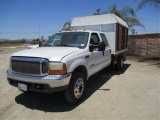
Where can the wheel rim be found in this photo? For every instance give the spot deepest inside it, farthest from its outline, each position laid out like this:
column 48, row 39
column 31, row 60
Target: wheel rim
column 79, row 88
column 121, row 63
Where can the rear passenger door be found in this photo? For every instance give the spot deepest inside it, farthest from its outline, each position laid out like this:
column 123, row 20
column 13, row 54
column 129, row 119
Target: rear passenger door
column 107, row 53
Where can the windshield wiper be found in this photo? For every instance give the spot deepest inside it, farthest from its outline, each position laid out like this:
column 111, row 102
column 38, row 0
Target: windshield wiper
column 67, row 45
column 46, row 45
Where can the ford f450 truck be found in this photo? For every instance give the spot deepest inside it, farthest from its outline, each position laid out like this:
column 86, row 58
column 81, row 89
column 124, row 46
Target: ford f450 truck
column 68, row 58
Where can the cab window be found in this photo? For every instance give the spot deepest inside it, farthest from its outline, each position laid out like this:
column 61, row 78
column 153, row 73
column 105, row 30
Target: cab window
column 104, row 38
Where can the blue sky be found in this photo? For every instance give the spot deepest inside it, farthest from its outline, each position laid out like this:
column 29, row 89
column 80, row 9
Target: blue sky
column 34, row 18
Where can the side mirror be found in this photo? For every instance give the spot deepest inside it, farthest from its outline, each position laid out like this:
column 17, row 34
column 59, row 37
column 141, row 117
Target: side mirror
column 91, row 48
column 101, row 46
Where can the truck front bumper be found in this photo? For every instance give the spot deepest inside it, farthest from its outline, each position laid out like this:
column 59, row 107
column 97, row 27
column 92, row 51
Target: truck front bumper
column 46, row 84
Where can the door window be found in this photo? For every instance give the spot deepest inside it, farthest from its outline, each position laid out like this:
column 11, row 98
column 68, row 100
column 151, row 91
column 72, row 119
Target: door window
column 94, row 39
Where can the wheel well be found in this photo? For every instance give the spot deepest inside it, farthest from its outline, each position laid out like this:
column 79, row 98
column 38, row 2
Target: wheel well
column 122, row 55
column 82, row 69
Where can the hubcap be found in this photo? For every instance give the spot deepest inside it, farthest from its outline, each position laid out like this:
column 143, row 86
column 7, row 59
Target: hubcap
column 79, row 88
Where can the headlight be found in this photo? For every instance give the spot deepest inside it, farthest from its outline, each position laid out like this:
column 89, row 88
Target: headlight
column 57, row 68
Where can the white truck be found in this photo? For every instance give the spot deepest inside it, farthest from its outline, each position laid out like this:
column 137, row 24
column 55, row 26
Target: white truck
column 68, row 58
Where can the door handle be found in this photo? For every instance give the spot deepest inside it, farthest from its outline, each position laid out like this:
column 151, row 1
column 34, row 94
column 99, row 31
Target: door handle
column 91, row 65
column 87, row 56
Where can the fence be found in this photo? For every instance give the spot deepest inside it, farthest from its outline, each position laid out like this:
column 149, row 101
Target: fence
column 144, row 45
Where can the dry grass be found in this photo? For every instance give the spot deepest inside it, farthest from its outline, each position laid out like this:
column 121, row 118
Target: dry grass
column 13, row 45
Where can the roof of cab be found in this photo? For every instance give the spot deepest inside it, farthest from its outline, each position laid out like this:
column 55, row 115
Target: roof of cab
column 98, row 20
column 90, row 31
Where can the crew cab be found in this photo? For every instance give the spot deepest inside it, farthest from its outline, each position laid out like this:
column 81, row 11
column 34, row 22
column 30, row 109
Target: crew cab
column 64, row 66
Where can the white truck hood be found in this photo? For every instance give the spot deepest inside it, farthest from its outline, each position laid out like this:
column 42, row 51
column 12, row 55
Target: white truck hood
column 50, row 53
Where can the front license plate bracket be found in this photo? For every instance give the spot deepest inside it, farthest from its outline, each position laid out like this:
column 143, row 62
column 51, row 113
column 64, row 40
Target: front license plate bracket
column 22, row 86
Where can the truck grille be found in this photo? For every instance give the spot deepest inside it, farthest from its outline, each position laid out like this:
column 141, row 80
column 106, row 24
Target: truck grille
column 36, row 66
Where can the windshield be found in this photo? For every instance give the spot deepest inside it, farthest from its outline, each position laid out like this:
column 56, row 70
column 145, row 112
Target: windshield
column 68, row 39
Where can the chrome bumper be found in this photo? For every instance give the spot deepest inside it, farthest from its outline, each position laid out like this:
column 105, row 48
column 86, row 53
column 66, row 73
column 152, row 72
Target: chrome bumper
column 53, row 81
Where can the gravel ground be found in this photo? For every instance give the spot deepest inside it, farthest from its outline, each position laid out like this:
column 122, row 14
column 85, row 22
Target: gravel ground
column 130, row 94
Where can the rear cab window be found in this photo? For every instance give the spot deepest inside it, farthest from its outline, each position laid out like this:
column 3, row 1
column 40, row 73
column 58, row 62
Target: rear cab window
column 104, row 39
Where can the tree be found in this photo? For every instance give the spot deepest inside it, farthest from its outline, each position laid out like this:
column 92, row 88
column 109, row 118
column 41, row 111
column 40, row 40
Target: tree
column 154, row 3
column 127, row 14
column 67, row 26
column 36, row 41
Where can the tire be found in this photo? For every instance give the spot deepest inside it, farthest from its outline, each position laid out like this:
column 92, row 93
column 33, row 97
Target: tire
column 76, row 88
column 120, row 63
column 112, row 65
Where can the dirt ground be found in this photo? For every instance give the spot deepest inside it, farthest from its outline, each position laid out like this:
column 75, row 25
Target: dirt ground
column 130, row 94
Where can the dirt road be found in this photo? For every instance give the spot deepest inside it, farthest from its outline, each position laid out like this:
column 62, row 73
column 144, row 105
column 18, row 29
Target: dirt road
column 132, row 94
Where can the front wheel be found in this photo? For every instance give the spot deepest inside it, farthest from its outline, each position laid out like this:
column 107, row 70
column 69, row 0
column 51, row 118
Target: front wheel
column 76, row 88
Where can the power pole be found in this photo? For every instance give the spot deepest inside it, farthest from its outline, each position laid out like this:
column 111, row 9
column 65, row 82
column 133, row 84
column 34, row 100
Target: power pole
column 39, row 31
column 98, row 11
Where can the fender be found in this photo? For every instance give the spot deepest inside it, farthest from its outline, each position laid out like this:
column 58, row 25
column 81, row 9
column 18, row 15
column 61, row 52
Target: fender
column 75, row 64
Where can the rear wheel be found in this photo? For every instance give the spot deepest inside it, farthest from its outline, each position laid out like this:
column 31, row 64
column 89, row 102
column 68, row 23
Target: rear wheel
column 76, row 89
column 120, row 63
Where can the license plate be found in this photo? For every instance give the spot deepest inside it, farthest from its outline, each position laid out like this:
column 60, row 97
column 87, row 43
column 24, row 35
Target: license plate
column 22, row 87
